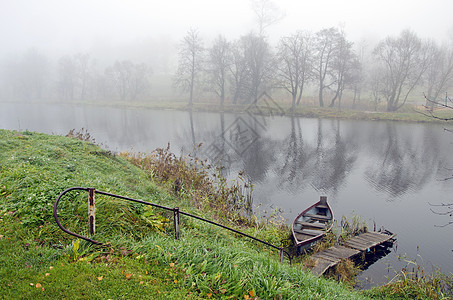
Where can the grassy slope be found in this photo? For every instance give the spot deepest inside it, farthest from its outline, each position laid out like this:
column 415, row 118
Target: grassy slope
column 37, row 260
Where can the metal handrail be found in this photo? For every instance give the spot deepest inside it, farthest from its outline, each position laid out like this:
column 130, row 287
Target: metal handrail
column 175, row 210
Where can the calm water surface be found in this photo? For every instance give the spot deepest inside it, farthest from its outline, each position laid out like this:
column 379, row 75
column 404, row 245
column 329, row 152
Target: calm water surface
column 388, row 173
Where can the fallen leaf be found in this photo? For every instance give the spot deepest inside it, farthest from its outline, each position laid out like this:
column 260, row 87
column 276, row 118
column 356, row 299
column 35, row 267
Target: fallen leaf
column 42, row 289
column 141, row 282
column 128, row 276
column 223, row 291
column 252, row 293
column 246, row 296
column 50, row 268
column 47, row 274
column 209, row 295
column 172, row 265
column 175, row 281
column 31, row 284
column 100, row 278
column 146, row 272
column 38, row 285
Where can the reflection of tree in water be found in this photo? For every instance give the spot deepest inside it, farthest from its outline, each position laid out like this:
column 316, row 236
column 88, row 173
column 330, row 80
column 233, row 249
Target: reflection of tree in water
column 298, row 160
column 324, row 165
column 259, row 158
column 401, row 163
column 128, row 127
column 335, row 159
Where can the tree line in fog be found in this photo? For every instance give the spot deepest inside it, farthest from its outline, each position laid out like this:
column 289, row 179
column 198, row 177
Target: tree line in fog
column 323, row 65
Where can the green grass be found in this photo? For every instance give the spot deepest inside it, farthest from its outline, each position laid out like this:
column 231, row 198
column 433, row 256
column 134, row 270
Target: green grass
column 38, row 260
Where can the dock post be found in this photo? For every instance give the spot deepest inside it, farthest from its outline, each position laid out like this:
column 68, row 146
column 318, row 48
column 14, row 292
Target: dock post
column 176, row 222
column 91, row 211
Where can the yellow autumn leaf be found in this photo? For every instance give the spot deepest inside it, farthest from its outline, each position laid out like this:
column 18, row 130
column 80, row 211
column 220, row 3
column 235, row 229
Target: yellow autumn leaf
column 50, row 268
column 47, row 274
column 252, row 293
column 100, row 278
column 209, row 295
column 172, row 265
column 38, row 285
column 175, row 281
column 128, row 276
column 246, row 296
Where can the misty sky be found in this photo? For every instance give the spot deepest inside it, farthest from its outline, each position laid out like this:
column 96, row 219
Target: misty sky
column 69, row 26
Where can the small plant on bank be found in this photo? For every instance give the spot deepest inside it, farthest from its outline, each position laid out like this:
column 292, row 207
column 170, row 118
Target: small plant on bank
column 190, row 178
column 413, row 282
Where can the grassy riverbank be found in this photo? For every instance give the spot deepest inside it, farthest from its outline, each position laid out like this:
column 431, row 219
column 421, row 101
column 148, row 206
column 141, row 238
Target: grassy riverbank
column 366, row 112
column 141, row 260
column 408, row 113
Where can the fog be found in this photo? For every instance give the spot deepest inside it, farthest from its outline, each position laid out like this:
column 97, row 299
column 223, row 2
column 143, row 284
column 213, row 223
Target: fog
column 60, row 27
column 50, row 46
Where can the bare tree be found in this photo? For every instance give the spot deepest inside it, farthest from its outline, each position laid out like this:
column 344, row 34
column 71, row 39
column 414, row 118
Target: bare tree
column 74, row 76
column 66, row 77
column 238, row 70
column 219, row 63
column 267, row 13
column 345, row 62
column 83, row 73
column 129, row 79
column 260, row 61
column 376, row 84
column 28, row 77
column 326, row 48
column 190, row 62
column 405, row 59
column 294, row 64
column 439, row 74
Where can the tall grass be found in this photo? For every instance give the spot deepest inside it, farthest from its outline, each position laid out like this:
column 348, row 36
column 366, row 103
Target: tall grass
column 192, row 179
column 414, row 282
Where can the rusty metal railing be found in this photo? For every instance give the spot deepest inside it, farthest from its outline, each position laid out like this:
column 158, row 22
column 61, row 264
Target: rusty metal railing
column 176, row 218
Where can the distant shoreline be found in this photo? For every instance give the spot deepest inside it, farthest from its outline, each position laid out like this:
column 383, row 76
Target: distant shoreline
column 410, row 113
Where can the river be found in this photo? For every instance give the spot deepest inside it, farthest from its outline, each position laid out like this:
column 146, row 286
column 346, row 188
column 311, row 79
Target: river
column 390, row 174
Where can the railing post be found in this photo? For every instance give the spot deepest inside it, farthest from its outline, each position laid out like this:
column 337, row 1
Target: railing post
column 91, row 211
column 281, row 255
column 176, row 222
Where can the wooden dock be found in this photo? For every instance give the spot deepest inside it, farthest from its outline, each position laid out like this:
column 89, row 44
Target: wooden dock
column 328, row 258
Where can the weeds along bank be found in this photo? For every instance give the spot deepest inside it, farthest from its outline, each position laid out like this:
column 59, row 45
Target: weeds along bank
column 140, row 259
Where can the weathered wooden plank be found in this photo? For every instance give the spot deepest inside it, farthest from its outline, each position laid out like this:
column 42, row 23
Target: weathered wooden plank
column 342, row 252
column 351, row 247
column 372, row 237
column 312, row 225
column 329, row 254
column 311, row 232
column 323, row 255
column 321, row 266
column 318, row 217
column 302, row 237
column 355, row 244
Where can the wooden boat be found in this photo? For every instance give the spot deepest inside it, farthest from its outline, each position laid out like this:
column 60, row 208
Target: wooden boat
column 312, row 224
